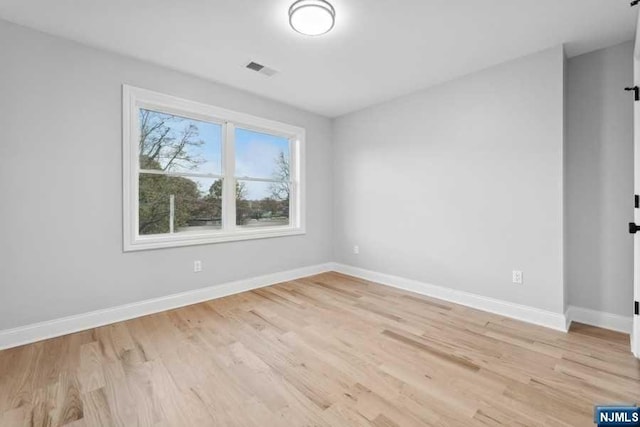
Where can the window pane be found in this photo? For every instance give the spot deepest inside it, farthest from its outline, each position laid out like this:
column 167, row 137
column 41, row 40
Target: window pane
column 197, row 204
column 178, row 144
column 262, row 204
column 259, row 155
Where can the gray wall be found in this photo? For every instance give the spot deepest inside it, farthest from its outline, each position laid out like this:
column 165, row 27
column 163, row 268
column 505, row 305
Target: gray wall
column 599, row 180
column 61, row 185
column 460, row 184
column 456, row 185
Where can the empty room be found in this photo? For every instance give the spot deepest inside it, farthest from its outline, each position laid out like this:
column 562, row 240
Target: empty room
column 319, row 213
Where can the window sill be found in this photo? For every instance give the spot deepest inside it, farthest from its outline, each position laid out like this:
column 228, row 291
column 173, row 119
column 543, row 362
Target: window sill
column 174, row 241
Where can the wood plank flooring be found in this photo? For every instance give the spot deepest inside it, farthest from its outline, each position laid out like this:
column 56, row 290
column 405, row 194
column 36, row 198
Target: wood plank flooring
column 328, row 350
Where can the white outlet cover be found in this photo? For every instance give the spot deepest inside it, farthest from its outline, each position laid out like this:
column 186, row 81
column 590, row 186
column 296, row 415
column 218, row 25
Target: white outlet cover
column 517, row 277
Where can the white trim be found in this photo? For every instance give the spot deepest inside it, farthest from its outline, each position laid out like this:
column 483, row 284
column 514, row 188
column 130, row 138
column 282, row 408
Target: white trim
column 229, row 183
column 635, row 323
column 218, row 236
column 200, row 111
column 601, row 319
column 524, row 313
column 189, row 174
column 66, row 325
column 135, row 98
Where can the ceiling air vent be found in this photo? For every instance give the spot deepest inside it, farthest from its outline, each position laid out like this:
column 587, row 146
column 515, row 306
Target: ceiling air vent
column 259, row 68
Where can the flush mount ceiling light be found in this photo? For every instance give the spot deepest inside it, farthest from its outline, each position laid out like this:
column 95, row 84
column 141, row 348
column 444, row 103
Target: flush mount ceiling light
column 312, row 17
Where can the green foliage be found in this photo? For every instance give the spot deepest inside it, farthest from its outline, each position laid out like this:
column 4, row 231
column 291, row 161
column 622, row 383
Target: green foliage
column 165, row 143
column 276, row 205
column 155, row 192
column 242, row 205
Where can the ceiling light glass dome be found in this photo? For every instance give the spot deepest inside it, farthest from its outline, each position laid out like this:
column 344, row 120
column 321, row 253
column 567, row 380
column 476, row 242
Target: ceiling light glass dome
column 312, row 17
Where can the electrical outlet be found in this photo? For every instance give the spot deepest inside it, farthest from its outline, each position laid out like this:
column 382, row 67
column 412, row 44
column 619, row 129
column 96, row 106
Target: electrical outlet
column 356, row 249
column 517, row 277
column 197, row 266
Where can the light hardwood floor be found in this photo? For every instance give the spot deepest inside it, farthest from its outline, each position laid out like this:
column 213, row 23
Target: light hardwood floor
column 326, row 350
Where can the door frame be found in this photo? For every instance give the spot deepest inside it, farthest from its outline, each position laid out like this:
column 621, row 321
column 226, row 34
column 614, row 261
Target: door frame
column 635, row 333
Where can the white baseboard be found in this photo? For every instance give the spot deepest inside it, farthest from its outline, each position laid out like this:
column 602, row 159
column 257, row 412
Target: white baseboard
column 524, row 313
column 66, row 325
column 601, row 319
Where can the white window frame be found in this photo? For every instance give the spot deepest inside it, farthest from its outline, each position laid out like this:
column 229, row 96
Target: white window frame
column 134, row 98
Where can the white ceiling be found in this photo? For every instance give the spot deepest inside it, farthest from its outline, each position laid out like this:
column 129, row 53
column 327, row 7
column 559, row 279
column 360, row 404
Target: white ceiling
column 378, row 50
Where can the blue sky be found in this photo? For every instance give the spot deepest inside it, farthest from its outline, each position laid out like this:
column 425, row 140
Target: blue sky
column 255, row 155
